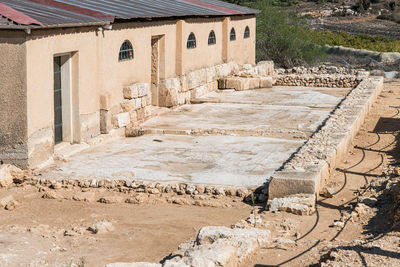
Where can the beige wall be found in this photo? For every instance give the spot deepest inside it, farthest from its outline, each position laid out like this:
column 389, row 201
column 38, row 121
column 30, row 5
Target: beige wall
column 203, row 55
column 13, row 132
column 242, row 51
column 99, row 69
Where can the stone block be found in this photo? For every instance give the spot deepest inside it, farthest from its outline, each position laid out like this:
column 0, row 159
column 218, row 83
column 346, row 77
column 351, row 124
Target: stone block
column 149, row 99
column 122, row 119
column 196, row 78
column 131, row 92
column 144, row 102
column 105, row 101
column 8, row 173
column 265, row 68
column 181, row 99
column 171, row 99
column 301, row 204
column 287, row 183
column 237, row 83
column 133, row 116
column 105, row 121
column 133, row 131
column 184, row 84
column 245, row 241
column 254, row 83
column 233, row 67
column 129, row 105
column 211, row 74
column 138, row 103
column 198, row 91
column 266, row 82
column 140, row 114
column 143, row 89
column 212, row 86
column 220, row 253
column 222, row 70
column 169, row 92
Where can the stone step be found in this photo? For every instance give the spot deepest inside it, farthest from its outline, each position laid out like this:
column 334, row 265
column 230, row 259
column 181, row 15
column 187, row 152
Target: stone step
column 245, row 83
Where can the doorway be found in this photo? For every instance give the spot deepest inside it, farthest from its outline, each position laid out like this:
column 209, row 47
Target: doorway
column 58, row 122
column 157, row 69
column 63, row 99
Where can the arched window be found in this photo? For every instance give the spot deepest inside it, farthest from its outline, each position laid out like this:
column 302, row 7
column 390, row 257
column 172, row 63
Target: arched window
column 247, row 32
column 191, row 42
column 211, row 38
column 126, row 51
column 233, row 34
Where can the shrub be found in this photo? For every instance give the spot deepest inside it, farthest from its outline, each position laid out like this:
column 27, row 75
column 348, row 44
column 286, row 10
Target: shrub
column 284, row 37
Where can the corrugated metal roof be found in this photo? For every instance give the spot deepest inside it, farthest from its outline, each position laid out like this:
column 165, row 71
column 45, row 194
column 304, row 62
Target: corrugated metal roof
column 47, row 13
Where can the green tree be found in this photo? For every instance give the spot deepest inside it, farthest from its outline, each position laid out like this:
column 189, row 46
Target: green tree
column 283, row 37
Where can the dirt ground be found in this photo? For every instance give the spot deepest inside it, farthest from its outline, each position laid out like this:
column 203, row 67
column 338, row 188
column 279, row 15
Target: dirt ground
column 353, row 228
column 345, row 231
column 54, row 232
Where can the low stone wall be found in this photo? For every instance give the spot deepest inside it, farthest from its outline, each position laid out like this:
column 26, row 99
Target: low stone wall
column 134, row 108
column 180, row 90
column 381, row 57
column 138, row 186
column 314, row 80
column 321, row 76
column 317, row 158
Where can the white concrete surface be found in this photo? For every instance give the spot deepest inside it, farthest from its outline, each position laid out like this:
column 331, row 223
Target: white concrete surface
column 224, row 160
column 233, row 138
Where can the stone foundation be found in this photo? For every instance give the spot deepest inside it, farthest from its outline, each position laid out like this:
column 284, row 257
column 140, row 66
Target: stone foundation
column 316, row 160
column 314, row 80
column 321, row 76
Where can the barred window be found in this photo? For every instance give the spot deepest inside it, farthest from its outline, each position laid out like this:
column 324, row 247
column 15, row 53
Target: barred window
column 126, row 51
column 211, row 38
column 247, row 32
column 233, row 34
column 191, row 42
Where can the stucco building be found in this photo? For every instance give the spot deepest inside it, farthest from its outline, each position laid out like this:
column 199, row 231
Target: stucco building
column 71, row 70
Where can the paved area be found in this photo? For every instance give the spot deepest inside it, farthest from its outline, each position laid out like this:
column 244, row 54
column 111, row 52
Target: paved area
column 228, row 138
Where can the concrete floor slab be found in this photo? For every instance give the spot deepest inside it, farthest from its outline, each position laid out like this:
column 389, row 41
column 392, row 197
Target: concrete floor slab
column 221, row 160
column 311, row 97
column 292, row 122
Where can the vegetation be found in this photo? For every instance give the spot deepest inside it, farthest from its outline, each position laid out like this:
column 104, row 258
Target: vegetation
column 286, row 38
column 361, row 41
column 282, row 36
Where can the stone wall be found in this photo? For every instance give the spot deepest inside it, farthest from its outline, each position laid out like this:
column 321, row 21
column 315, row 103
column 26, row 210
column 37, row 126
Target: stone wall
column 133, row 109
column 322, row 76
column 181, row 90
column 317, row 158
column 250, row 77
column 315, row 80
column 13, row 97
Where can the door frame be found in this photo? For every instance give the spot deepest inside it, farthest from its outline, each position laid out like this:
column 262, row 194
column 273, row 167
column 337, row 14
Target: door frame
column 69, row 98
column 155, row 91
